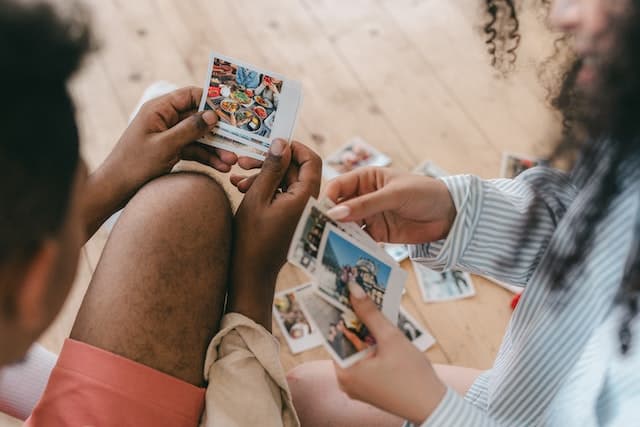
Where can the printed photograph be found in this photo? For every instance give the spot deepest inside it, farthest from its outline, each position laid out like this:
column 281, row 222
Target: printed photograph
column 414, row 331
column 513, row 164
column 429, row 168
column 308, row 238
column 243, row 98
column 398, row 252
column 408, row 328
column 443, row 286
column 343, row 262
column 354, row 155
column 344, row 334
column 295, row 326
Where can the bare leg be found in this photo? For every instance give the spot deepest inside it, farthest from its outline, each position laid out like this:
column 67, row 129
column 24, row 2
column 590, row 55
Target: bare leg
column 158, row 291
column 320, row 402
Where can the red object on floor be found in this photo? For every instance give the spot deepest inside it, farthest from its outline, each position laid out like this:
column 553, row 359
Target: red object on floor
column 514, row 301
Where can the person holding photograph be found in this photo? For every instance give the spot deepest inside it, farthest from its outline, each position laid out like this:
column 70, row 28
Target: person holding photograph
column 177, row 317
column 571, row 354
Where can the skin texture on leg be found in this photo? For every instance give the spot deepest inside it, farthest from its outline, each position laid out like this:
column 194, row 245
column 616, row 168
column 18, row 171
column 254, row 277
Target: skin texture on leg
column 158, row 292
column 320, row 402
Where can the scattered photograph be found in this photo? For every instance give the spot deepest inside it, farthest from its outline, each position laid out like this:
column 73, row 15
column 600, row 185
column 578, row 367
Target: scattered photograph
column 414, row 332
column 343, row 261
column 429, row 168
column 397, row 251
column 243, row 98
column 345, row 337
column 305, row 244
column 296, row 328
column 356, row 154
column 514, row 164
column 443, row 286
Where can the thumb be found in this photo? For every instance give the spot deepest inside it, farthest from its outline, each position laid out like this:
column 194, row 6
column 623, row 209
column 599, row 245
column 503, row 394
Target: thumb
column 190, row 129
column 368, row 313
column 273, row 170
column 363, row 207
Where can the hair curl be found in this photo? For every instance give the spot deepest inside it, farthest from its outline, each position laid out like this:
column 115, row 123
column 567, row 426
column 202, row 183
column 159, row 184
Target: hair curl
column 602, row 120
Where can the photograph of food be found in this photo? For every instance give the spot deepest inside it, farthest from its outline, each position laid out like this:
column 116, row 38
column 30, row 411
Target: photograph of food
column 243, row 98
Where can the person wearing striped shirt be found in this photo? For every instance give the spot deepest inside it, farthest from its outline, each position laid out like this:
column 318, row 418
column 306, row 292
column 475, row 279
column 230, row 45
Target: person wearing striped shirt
column 570, row 356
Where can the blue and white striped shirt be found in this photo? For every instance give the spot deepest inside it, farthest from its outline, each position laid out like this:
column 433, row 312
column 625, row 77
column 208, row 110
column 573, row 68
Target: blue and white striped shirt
column 560, row 362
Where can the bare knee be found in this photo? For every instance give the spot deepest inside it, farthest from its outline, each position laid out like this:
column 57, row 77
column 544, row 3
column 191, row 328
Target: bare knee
column 195, row 199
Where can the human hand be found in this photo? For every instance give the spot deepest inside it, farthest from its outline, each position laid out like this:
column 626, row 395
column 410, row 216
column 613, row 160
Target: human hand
column 264, row 224
column 396, row 377
column 395, row 207
column 162, row 133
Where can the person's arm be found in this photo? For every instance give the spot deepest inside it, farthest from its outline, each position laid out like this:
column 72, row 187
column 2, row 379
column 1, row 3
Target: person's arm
column 162, row 133
column 264, row 224
column 22, row 384
column 398, row 379
column 247, row 383
column 486, row 236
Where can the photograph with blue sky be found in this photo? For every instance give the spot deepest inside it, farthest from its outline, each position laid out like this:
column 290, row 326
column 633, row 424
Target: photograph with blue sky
column 344, row 253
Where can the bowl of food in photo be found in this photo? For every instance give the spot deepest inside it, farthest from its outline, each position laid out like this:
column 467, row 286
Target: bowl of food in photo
column 248, row 120
column 260, row 112
column 263, row 101
column 242, row 97
column 229, row 106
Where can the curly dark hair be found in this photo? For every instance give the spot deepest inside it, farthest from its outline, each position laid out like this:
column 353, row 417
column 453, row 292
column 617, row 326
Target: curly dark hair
column 603, row 121
column 39, row 151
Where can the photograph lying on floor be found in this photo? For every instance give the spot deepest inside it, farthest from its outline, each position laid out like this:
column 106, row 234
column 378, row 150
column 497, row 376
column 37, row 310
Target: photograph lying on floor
column 355, row 154
column 443, row 286
column 296, row 328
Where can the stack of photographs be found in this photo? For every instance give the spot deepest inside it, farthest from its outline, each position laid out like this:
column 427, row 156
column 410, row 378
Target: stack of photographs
column 335, row 255
column 254, row 106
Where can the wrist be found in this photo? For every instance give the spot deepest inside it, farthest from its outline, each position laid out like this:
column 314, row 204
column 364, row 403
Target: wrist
column 429, row 400
column 251, row 294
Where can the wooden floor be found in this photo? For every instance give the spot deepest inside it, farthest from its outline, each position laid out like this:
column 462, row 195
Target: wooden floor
column 410, row 76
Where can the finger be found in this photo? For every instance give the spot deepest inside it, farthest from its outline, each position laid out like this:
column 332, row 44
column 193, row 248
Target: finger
column 368, row 313
column 226, row 156
column 273, row 170
column 189, row 130
column 173, row 107
column 248, row 163
column 244, row 185
column 308, row 166
column 236, row 178
column 185, row 99
column 200, row 153
column 345, row 186
column 363, row 207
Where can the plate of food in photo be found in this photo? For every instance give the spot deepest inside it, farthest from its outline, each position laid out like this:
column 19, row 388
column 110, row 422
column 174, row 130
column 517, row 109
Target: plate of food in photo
column 261, row 112
column 229, row 106
column 263, row 101
column 244, row 116
column 254, row 123
column 241, row 97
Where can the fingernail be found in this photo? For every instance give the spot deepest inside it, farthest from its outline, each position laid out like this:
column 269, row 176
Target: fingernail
column 209, row 117
column 356, row 291
column 339, row 212
column 277, row 147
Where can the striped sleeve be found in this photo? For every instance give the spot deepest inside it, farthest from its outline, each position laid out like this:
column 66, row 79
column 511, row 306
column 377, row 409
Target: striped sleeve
column 454, row 411
column 491, row 216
